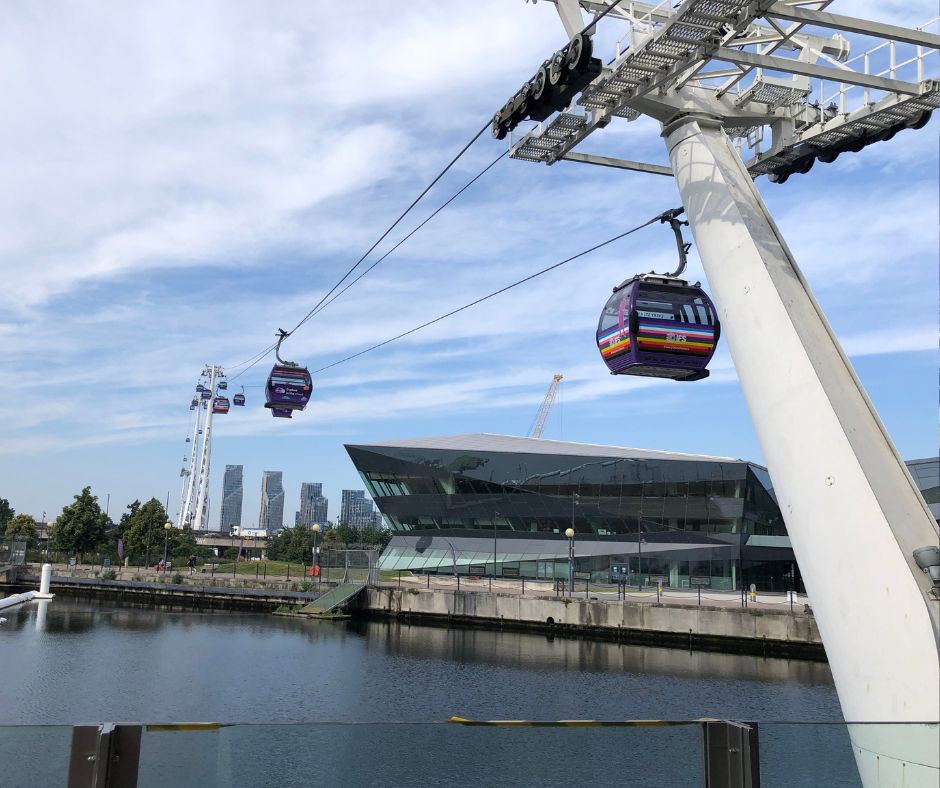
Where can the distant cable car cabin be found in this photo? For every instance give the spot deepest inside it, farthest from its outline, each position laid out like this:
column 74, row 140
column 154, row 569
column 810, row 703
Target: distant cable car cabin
column 289, row 385
column 220, row 405
column 239, row 399
column 223, row 385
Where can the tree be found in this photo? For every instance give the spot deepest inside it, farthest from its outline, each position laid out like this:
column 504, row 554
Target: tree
column 376, row 536
column 347, row 534
column 291, row 544
column 23, row 526
column 182, row 544
column 6, row 513
column 144, row 530
column 81, row 526
column 125, row 522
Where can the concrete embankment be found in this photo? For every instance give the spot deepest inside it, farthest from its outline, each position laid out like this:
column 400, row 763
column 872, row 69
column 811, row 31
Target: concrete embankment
column 733, row 630
column 190, row 595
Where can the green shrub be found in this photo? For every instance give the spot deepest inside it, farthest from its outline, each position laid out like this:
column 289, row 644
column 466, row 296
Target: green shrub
column 177, row 578
column 109, row 574
column 306, row 586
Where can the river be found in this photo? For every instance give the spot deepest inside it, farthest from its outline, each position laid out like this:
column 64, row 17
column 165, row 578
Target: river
column 365, row 700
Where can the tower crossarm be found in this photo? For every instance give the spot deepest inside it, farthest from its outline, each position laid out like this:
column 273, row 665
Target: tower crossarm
column 754, row 67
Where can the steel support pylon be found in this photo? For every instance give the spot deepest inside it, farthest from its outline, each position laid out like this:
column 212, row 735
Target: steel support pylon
column 852, row 511
column 201, row 514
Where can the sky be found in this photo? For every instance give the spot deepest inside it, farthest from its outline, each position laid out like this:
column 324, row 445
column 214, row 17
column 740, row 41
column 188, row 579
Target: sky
column 181, row 180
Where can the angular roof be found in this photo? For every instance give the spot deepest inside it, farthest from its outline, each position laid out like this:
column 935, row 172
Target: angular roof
column 511, row 443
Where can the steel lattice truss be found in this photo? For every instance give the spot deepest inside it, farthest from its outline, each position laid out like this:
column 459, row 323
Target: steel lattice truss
column 786, row 95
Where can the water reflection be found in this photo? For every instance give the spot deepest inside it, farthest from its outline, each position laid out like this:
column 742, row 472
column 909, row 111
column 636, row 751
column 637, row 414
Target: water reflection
column 42, row 610
column 72, row 660
column 537, row 652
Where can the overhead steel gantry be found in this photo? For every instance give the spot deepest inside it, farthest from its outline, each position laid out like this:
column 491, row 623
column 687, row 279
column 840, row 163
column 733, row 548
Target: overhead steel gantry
column 744, row 88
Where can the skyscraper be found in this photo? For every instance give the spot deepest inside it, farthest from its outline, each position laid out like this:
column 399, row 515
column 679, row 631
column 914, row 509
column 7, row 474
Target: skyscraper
column 272, row 501
column 313, row 506
column 356, row 510
column 231, row 498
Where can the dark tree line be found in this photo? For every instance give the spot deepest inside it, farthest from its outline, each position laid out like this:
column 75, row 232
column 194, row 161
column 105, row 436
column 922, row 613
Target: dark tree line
column 83, row 527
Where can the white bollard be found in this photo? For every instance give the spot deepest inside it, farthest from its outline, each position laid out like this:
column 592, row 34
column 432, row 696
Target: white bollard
column 44, row 580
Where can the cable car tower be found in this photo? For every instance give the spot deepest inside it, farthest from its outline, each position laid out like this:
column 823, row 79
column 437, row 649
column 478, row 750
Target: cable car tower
column 744, row 88
column 194, row 497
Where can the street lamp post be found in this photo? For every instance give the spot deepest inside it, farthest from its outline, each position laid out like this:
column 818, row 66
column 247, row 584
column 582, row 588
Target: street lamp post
column 316, row 530
column 167, row 526
column 574, row 502
column 570, row 534
column 495, row 518
column 639, row 547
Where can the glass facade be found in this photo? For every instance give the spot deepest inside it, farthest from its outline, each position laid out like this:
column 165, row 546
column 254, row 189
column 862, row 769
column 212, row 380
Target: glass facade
column 926, row 475
column 639, row 516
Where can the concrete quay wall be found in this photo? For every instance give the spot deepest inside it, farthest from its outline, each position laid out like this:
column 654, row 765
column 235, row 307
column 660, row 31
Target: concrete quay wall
column 728, row 629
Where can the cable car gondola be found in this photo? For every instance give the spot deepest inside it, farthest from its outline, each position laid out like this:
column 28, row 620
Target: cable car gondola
column 223, row 385
column 205, row 394
column 659, row 325
column 220, row 405
column 289, row 385
column 200, row 388
column 194, row 403
column 239, row 399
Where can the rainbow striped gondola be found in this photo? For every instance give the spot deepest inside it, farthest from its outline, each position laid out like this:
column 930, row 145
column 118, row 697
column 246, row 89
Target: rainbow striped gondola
column 658, row 326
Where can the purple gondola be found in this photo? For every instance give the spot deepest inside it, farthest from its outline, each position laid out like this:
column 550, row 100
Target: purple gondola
column 222, row 385
column 239, row 399
column 288, row 388
column 220, row 405
column 289, row 385
column 193, row 405
column 658, row 326
column 206, row 394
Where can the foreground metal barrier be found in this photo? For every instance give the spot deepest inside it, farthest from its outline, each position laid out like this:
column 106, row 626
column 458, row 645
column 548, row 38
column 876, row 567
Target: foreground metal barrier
column 108, row 755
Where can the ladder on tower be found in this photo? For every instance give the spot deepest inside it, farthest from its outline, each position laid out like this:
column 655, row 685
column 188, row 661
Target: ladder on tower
column 541, row 418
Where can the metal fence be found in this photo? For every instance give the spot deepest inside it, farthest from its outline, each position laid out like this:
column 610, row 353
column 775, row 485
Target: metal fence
column 349, row 565
column 13, row 551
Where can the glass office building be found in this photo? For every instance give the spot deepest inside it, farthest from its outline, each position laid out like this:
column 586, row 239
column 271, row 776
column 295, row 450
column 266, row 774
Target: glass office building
column 926, row 474
column 479, row 502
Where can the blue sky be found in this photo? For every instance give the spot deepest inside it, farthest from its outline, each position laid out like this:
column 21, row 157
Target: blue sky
column 180, row 181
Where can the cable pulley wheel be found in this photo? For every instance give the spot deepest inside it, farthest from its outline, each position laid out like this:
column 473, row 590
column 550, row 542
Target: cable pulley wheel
column 578, row 52
column 539, row 84
column 557, row 69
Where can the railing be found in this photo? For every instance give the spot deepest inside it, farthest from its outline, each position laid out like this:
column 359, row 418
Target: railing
column 679, row 754
column 649, row 592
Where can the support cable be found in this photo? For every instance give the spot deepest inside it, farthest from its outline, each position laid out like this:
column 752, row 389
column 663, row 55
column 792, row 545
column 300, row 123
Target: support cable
column 495, row 293
column 393, row 225
column 326, row 299
column 324, row 302
column 453, row 197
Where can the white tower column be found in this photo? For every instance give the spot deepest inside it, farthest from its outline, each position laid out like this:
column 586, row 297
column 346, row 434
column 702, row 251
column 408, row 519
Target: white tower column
column 200, row 514
column 852, row 511
column 189, row 486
